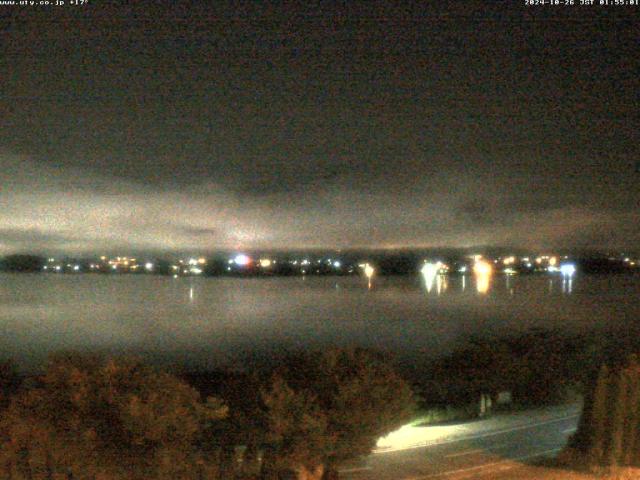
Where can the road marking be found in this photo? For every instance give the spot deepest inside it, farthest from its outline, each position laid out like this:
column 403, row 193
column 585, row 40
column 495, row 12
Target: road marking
column 479, row 435
column 502, row 464
column 466, row 452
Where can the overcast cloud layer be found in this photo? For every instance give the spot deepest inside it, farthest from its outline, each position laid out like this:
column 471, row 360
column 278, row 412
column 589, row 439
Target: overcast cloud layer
column 367, row 126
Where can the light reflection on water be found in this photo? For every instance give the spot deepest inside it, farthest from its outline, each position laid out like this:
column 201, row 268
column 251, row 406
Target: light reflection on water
column 207, row 321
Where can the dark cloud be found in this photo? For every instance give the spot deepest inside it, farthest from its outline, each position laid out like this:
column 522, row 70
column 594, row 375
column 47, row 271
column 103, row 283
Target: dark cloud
column 363, row 125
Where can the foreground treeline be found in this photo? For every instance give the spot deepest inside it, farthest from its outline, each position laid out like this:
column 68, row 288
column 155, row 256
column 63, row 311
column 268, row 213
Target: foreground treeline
column 537, row 367
column 609, row 430
column 95, row 418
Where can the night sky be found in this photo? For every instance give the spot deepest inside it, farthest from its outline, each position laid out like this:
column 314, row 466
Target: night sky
column 364, row 124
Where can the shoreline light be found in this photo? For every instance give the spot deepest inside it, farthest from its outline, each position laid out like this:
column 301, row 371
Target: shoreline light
column 567, row 269
column 265, row 262
column 482, row 270
column 242, row 260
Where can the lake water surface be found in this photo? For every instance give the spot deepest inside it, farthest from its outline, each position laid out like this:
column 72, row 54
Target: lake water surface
column 210, row 322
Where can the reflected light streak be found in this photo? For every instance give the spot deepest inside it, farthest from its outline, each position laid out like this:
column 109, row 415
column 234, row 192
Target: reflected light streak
column 567, row 284
column 429, row 272
column 368, row 271
column 483, row 271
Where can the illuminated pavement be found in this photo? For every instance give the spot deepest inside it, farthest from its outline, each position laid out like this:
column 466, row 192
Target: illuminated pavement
column 469, row 450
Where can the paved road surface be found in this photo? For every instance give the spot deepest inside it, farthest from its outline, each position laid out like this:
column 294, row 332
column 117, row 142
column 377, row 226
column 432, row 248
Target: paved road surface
column 472, row 450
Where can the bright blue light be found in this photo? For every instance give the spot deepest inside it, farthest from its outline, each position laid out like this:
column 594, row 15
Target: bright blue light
column 242, row 260
column 567, row 269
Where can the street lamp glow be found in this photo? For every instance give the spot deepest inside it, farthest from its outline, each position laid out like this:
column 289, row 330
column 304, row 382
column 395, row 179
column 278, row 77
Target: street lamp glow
column 369, row 270
column 567, row 269
column 265, row 262
column 148, row 266
column 482, row 268
column 337, row 264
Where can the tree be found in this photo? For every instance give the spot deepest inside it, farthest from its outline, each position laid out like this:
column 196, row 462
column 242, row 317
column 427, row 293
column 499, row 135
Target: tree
column 117, row 418
column 22, row 263
column 325, row 408
column 608, row 430
column 9, row 383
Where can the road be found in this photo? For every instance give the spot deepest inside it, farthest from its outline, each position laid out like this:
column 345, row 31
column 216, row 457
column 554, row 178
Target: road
column 469, row 450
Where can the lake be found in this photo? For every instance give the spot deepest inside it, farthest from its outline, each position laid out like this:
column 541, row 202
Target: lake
column 212, row 322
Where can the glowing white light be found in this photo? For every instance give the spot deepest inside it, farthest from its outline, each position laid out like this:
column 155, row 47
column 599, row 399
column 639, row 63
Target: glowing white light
column 553, row 269
column 193, row 261
column 175, row 276
column 369, row 270
column 337, row 264
column 567, row 269
column 44, row 268
column 462, row 269
column 76, row 268
column 148, row 266
column 242, row 260
column 430, row 270
column 510, row 271
column 58, row 268
column 196, row 270
column 413, row 435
